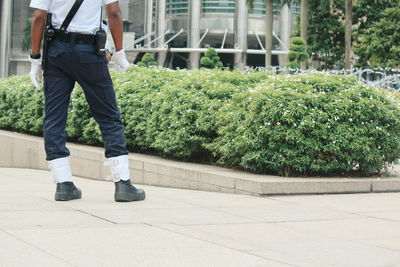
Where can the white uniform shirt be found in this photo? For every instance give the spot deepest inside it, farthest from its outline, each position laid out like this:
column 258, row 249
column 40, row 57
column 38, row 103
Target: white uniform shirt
column 86, row 20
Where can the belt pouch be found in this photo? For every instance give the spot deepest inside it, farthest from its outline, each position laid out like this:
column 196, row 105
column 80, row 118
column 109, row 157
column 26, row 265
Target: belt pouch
column 101, row 38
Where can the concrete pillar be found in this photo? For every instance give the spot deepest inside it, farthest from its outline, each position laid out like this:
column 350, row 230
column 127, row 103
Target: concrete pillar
column 241, row 22
column 5, row 36
column 285, row 33
column 161, row 27
column 148, row 27
column 269, row 20
column 194, row 32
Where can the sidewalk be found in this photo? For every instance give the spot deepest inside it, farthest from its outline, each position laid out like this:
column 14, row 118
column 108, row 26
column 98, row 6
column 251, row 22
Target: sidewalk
column 176, row 227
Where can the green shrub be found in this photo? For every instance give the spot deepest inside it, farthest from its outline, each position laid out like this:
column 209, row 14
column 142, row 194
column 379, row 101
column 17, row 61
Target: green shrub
column 211, row 59
column 21, row 107
column 297, row 53
column 289, row 125
column 175, row 115
column 147, row 61
column 309, row 124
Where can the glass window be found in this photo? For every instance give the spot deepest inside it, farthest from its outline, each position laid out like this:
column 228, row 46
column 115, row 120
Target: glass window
column 259, row 7
column 21, row 23
column 177, row 7
column 21, row 37
column 1, row 12
column 218, row 6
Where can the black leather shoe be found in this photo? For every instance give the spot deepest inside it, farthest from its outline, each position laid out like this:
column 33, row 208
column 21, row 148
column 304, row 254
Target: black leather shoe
column 67, row 191
column 126, row 192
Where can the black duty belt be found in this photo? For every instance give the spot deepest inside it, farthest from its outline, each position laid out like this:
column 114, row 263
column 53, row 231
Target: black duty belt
column 80, row 38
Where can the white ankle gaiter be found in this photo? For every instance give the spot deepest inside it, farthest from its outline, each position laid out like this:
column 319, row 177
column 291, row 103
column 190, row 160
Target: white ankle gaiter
column 119, row 168
column 61, row 170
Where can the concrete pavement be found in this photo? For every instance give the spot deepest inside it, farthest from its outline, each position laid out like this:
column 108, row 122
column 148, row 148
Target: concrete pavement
column 176, row 227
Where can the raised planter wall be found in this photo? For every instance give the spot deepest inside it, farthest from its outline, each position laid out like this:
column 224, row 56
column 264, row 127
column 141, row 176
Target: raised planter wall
column 24, row 151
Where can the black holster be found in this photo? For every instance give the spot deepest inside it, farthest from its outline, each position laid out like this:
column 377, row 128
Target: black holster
column 48, row 35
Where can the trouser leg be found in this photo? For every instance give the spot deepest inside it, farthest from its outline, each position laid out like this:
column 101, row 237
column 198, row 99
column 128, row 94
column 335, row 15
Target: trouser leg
column 101, row 99
column 103, row 106
column 95, row 80
column 99, row 92
column 57, row 95
column 58, row 88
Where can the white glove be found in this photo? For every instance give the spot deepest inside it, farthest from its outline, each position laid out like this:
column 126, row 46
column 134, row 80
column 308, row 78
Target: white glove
column 121, row 63
column 36, row 72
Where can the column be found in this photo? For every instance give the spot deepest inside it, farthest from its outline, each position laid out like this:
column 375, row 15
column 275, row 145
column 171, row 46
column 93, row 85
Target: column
column 161, row 27
column 194, row 32
column 5, row 37
column 241, row 22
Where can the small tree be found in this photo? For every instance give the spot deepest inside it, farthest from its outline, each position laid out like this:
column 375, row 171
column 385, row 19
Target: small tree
column 379, row 46
column 297, row 53
column 147, row 61
column 325, row 42
column 211, row 59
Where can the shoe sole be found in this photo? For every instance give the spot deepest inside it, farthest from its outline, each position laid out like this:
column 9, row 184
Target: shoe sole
column 67, row 197
column 128, row 197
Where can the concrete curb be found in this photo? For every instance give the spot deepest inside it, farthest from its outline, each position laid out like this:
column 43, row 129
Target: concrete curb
column 25, row 151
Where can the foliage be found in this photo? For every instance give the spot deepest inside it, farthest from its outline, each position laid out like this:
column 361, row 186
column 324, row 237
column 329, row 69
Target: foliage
column 311, row 124
column 367, row 12
column 211, row 59
column 379, row 45
column 297, row 53
column 326, row 30
column 21, row 107
column 326, row 33
column 297, row 30
column 296, row 125
column 147, row 61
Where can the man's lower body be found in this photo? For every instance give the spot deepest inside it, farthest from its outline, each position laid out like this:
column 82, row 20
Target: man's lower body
column 69, row 63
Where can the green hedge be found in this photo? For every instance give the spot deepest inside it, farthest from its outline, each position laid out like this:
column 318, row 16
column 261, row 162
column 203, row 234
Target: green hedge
column 313, row 124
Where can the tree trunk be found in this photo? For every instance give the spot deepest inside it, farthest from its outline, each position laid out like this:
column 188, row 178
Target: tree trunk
column 348, row 25
column 268, row 33
column 304, row 26
column 194, row 32
column 304, row 20
column 285, row 33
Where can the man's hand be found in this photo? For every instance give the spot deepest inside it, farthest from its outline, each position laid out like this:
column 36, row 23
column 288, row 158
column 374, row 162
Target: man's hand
column 121, row 63
column 36, row 72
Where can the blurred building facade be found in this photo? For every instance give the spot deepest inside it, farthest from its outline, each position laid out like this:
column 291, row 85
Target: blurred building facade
column 176, row 31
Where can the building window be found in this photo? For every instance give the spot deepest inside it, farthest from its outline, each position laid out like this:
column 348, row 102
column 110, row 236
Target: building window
column 218, row 6
column 177, row 7
column 21, row 37
column 259, row 7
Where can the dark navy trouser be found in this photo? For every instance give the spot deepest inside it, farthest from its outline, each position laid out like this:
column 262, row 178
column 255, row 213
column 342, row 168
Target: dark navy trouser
column 69, row 63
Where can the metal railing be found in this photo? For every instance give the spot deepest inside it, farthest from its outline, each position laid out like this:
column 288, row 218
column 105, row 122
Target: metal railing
column 385, row 78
